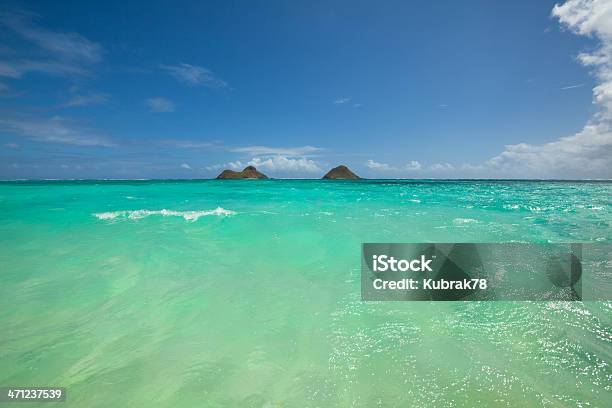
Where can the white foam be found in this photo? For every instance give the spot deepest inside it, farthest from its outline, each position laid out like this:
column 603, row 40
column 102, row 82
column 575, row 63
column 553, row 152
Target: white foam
column 138, row 214
column 464, row 221
column 107, row 215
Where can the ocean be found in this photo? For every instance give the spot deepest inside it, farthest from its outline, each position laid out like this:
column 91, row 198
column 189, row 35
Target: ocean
column 246, row 293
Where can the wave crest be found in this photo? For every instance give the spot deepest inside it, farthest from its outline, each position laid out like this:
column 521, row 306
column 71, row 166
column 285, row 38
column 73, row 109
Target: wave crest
column 138, row 214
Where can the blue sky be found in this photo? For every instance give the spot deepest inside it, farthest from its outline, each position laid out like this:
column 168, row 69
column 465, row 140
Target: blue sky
column 392, row 89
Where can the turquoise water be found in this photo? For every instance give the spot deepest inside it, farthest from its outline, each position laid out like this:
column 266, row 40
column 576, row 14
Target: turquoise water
column 246, row 294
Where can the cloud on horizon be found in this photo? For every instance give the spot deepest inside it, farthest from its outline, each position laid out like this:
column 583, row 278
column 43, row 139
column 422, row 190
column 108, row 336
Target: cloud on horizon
column 277, row 165
column 588, row 153
column 284, row 164
column 234, row 165
column 384, row 167
column 413, row 169
column 288, row 151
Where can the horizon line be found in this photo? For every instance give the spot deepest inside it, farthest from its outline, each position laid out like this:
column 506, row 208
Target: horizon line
column 304, row 179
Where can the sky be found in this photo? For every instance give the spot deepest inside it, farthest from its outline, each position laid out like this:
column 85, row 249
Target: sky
column 393, row 89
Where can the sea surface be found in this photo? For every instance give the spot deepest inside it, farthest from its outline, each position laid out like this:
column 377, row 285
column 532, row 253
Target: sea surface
column 247, row 294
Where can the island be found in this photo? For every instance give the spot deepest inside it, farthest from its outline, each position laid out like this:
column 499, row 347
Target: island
column 249, row 172
column 341, row 173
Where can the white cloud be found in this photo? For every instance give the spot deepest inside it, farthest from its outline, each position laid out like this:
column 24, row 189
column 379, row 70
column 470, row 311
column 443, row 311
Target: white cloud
column 413, row 165
column 410, row 166
column 160, row 105
column 87, row 100
column 17, row 68
column 442, row 167
column 285, row 164
column 51, row 52
column 188, row 144
column 346, row 101
column 288, row 151
column 194, row 75
column 185, row 166
column 235, row 165
column 565, row 88
column 68, row 46
column 374, row 165
column 472, row 167
column 586, row 17
column 54, row 130
column 587, row 154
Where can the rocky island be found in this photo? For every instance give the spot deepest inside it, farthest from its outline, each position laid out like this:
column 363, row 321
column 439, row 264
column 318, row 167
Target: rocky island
column 249, row 172
column 341, row 173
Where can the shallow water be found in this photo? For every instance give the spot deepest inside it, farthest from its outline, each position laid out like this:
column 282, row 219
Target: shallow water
column 246, row 293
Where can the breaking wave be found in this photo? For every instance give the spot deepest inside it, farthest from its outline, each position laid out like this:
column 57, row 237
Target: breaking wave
column 138, row 214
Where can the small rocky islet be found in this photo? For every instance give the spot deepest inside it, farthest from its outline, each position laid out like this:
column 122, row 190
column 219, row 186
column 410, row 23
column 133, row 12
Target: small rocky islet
column 250, row 172
column 341, row 173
